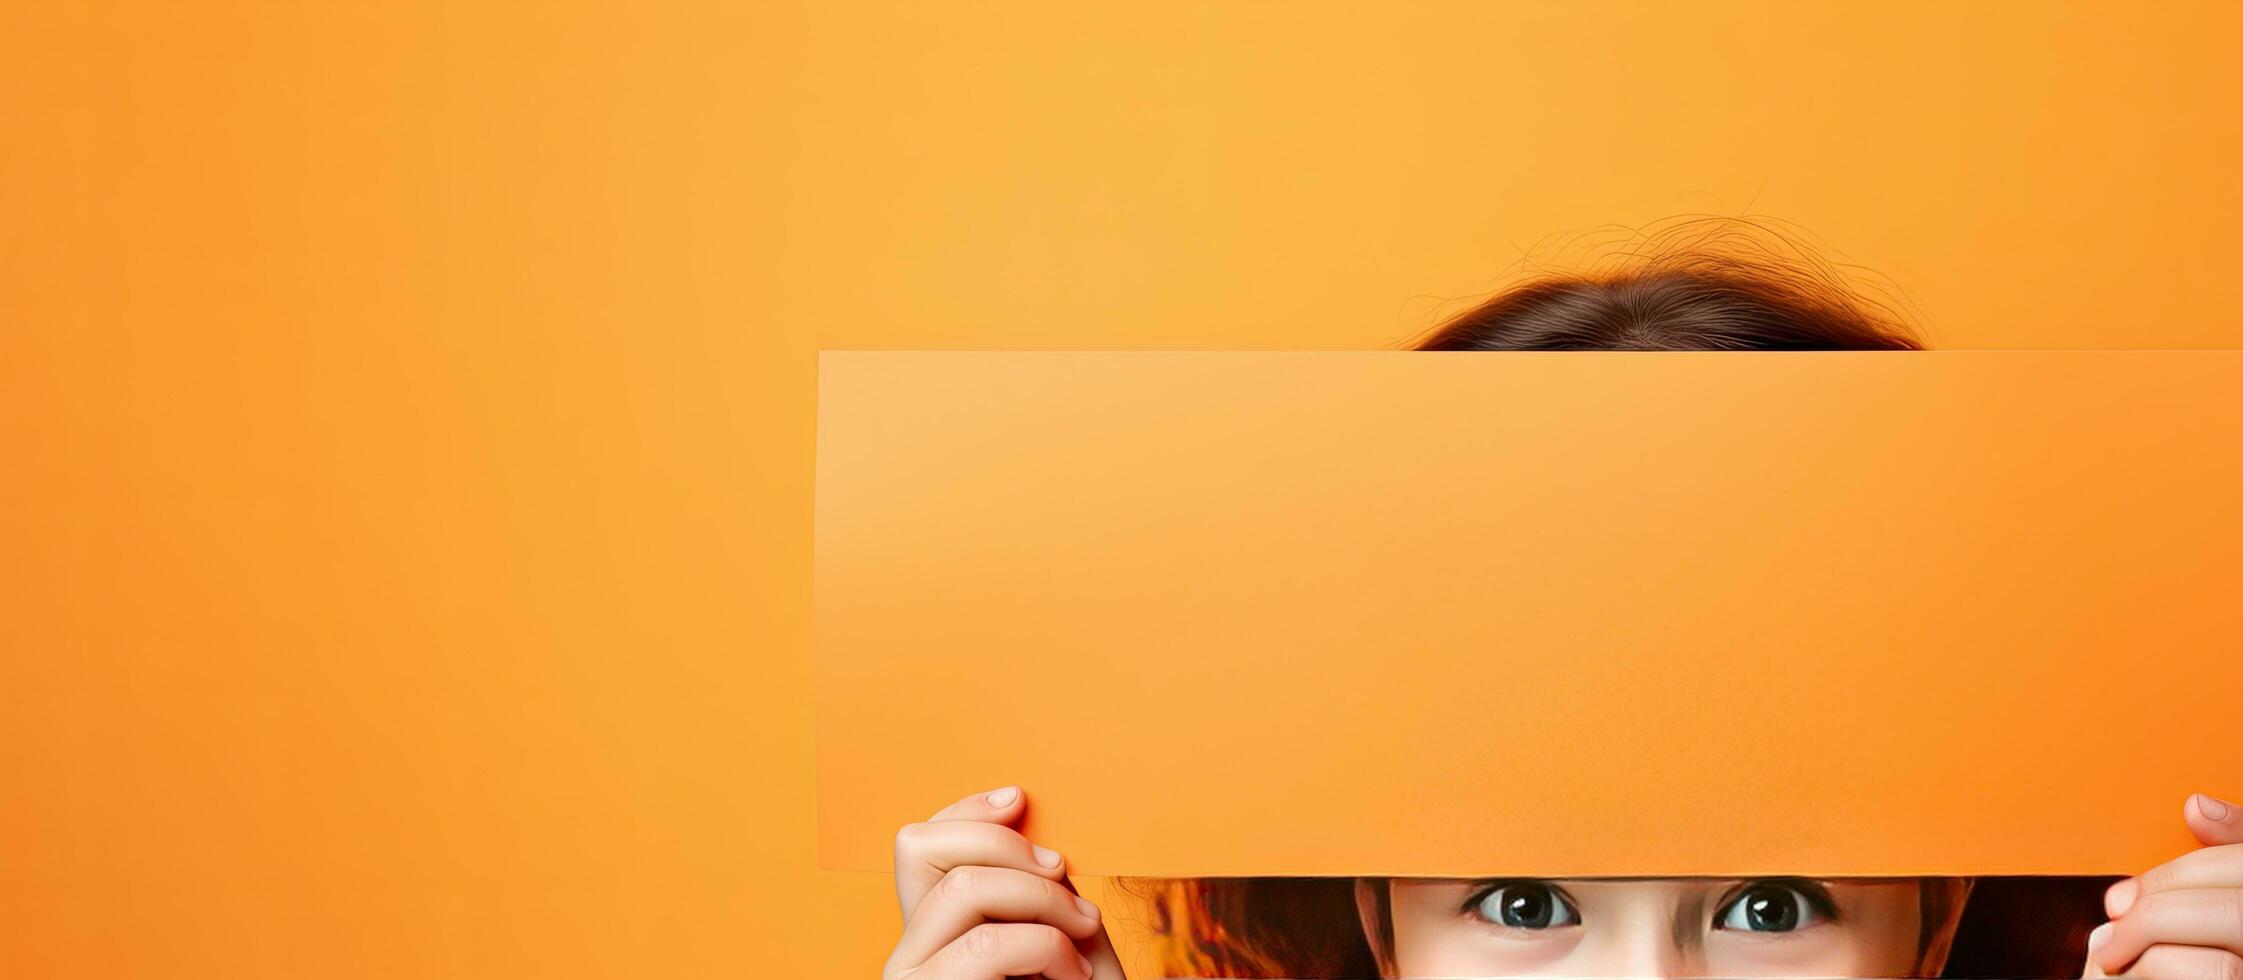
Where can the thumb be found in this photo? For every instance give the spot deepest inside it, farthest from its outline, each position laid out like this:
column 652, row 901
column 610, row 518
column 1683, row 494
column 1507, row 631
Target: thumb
column 1105, row 964
column 2095, row 939
column 2214, row 820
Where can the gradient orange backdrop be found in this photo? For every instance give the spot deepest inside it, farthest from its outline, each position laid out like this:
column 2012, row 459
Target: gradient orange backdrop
column 407, row 408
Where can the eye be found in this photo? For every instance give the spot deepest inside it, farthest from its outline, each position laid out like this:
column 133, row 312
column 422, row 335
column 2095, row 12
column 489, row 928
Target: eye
column 1776, row 906
column 1524, row 905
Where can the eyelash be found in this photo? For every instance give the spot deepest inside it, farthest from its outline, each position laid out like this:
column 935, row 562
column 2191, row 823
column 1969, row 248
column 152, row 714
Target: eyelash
column 1471, row 906
column 1814, row 892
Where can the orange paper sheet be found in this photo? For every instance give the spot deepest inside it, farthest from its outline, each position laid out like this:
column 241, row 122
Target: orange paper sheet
column 1562, row 614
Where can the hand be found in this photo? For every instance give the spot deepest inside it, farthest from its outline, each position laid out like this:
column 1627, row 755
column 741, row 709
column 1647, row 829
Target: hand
column 980, row 902
column 2183, row 918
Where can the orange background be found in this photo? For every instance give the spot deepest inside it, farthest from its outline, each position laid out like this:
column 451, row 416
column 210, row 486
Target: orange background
column 408, row 407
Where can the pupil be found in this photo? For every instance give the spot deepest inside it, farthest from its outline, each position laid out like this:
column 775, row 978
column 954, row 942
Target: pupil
column 1771, row 913
column 1526, row 909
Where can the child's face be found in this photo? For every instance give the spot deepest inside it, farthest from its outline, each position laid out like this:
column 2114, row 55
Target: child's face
column 1764, row 927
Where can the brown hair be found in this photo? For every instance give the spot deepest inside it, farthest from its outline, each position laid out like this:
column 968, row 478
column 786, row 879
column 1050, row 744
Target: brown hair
column 1257, row 927
column 1691, row 284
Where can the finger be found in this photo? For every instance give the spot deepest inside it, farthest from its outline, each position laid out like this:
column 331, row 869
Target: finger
column 2199, row 917
column 996, row 806
column 2219, row 866
column 1104, row 963
column 927, row 851
column 994, row 951
column 2216, row 823
column 970, row 896
column 2095, row 941
column 2187, row 963
column 2214, row 820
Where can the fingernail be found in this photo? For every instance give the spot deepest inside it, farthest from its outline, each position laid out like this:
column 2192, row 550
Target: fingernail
column 2121, row 897
column 2212, row 807
column 1046, row 856
column 1087, row 971
column 2096, row 938
column 1084, row 904
column 1003, row 797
